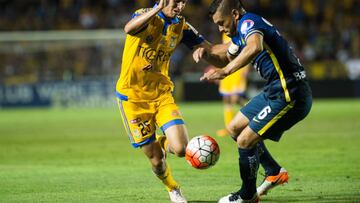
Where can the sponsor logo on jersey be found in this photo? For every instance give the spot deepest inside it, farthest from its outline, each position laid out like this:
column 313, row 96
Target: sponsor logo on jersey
column 246, row 26
column 136, row 120
column 256, row 120
column 175, row 113
column 151, row 54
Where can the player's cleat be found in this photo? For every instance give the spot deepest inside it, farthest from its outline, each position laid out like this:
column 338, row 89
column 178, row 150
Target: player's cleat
column 176, row 196
column 235, row 198
column 273, row 181
column 222, row 133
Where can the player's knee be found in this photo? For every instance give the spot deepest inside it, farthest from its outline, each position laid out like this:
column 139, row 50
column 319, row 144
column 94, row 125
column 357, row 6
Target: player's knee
column 244, row 142
column 230, row 129
column 232, row 133
column 233, row 130
column 180, row 151
column 156, row 159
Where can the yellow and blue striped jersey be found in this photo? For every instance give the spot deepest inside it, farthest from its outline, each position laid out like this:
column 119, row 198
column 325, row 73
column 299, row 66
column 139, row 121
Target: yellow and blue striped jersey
column 146, row 56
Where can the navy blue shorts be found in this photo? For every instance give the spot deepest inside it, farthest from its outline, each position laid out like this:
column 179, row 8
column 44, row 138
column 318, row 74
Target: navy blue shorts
column 269, row 118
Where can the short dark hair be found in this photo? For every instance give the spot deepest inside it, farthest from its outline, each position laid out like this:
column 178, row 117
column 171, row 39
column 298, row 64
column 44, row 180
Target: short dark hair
column 214, row 6
column 224, row 6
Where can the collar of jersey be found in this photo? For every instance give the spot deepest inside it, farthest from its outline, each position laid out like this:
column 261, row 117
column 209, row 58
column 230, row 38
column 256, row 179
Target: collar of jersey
column 166, row 19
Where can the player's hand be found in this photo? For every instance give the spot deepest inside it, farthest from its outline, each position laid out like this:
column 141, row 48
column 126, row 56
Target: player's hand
column 213, row 74
column 162, row 4
column 199, row 53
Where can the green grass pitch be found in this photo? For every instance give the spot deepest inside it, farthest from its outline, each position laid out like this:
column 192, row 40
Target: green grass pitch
column 83, row 155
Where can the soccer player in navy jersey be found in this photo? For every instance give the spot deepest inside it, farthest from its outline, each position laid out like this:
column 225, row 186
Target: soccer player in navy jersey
column 285, row 100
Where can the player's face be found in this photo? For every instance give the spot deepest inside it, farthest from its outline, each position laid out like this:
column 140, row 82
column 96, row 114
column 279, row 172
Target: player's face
column 174, row 8
column 225, row 22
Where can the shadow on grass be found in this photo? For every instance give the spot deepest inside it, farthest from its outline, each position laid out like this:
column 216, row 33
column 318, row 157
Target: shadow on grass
column 315, row 198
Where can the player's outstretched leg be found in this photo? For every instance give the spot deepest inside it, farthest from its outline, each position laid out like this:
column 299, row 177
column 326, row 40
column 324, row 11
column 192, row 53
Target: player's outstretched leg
column 274, row 174
column 172, row 186
column 162, row 171
column 175, row 143
column 267, row 161
column 248, row 164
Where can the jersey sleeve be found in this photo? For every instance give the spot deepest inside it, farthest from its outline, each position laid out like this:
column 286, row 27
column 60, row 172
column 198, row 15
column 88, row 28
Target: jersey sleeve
column 191, row 36
column 234, row 49
column 138, row 13
column 252, row 24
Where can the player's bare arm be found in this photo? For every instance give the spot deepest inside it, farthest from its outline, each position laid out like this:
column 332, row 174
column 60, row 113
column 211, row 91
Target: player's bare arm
column 217, row 55
column 214, row 54
column 137, row 23
column 254, row 46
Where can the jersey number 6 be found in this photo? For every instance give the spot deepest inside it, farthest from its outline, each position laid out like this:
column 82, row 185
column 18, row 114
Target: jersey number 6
column 263, row 113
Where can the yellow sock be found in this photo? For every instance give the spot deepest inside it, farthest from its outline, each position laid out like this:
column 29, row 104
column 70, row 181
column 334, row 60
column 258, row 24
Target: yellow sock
column 165, row 145
column 228, row 115
column 168, row 180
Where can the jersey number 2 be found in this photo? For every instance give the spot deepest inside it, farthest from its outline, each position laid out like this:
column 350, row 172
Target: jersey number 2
column 145, row 128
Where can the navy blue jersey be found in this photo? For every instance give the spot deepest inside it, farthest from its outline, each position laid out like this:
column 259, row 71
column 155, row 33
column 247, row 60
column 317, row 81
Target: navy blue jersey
column 277, row 63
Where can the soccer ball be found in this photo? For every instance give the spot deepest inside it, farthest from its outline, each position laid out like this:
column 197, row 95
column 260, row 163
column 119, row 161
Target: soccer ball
column 202, row 152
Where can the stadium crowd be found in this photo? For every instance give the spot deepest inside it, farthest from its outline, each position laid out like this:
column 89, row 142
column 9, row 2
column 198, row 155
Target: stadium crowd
column 318, row 29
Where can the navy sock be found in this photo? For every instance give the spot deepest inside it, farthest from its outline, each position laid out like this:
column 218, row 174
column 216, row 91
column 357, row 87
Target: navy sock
column 267, row 161
column 249, row 164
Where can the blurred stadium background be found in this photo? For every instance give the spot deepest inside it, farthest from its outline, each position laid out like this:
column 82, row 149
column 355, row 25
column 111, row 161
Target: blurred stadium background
column 68, row 52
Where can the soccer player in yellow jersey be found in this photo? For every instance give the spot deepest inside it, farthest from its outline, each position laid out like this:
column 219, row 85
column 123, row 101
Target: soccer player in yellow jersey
column 233, row 91
column 144, row 89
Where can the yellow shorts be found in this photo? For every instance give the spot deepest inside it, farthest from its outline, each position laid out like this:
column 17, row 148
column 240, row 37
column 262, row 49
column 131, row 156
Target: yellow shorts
column 141, row 118
column 234, row 84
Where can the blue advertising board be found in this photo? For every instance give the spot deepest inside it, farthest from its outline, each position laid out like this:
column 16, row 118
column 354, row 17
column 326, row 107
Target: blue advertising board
column 84, row 93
